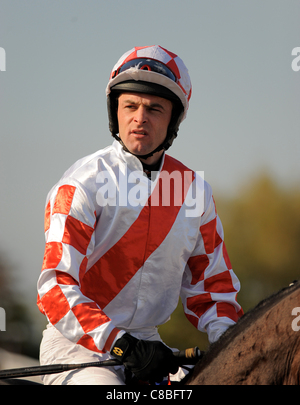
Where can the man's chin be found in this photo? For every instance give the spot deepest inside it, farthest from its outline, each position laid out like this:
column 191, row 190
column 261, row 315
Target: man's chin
column 140, row 150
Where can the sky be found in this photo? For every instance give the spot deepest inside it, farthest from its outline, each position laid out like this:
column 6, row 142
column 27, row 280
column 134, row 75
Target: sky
column 244, row 110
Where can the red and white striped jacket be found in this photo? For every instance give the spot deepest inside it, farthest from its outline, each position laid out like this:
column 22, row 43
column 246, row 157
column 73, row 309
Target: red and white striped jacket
column 117, row 256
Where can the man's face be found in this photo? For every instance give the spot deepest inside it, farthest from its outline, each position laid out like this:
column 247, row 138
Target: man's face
column 143, row 123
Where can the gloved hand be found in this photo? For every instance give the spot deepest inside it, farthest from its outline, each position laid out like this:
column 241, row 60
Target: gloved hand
column 147, row 360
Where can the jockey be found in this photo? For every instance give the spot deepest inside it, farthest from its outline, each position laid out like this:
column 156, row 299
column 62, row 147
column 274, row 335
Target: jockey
column 123, row 241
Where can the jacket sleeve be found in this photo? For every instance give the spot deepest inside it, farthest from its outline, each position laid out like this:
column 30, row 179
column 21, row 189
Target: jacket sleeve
column 209, row 288
column 70, row 220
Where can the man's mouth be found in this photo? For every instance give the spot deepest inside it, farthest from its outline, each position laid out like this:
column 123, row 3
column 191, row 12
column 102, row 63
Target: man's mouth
column 138, row 132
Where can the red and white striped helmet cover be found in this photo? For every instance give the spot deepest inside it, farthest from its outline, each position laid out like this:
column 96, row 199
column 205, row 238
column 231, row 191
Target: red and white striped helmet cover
column 183, row 87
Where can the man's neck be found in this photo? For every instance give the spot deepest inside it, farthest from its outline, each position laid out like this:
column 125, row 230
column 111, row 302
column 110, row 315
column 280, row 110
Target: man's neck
column 154, row 167
column 152, row 160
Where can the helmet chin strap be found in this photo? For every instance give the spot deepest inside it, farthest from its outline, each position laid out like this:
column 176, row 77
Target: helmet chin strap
column 163, row 146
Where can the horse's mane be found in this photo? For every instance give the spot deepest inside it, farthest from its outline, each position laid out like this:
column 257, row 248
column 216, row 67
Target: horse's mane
column 245, row 321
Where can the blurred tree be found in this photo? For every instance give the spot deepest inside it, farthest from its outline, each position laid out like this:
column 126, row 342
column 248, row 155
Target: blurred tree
column 262, row 234
column 19, row 336
column 5, row 290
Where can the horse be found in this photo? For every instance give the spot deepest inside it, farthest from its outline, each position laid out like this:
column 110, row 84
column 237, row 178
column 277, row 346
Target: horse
column 262, row 348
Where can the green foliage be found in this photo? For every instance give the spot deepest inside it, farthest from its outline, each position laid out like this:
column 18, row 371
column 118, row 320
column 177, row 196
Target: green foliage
column 20, row 336
column 262, row 235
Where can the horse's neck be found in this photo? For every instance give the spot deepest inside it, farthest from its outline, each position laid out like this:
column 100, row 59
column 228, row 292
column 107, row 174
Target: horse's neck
column 272, row 345
column 267, row 351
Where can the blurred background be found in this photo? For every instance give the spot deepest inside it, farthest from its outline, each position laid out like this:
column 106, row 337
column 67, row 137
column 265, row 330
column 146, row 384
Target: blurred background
column 242, row 130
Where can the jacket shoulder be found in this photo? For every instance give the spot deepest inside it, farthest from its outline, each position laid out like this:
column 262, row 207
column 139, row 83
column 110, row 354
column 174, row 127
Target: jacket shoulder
column 174, row 164
column 88, row 162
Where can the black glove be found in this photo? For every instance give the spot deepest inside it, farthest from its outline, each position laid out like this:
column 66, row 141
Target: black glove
column 147, row 360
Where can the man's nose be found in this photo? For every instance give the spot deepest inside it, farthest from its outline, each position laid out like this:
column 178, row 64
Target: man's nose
column 141, row 115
